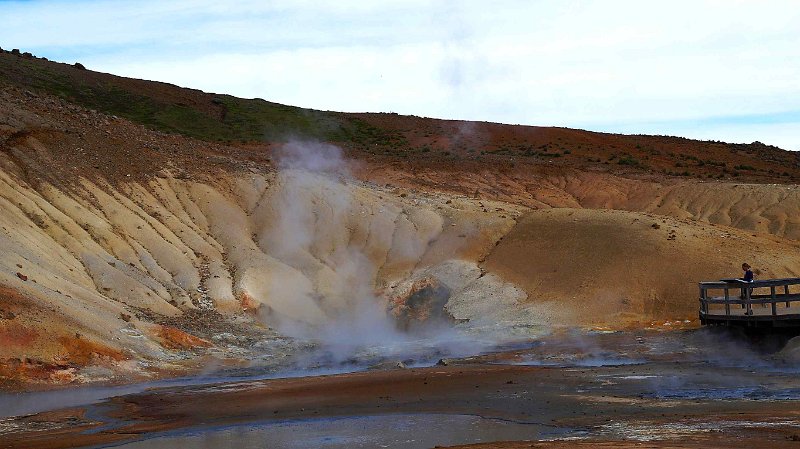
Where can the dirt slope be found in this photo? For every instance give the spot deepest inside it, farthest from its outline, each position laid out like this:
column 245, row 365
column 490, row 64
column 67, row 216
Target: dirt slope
column 761, row 208
column 615, row 268
column 127, row 251
column 111, row 250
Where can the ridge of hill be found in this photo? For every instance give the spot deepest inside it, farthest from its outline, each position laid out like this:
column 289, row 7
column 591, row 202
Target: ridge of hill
column 387, row 136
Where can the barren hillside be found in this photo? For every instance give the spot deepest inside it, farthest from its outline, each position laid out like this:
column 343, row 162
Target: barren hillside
column 617, row 269
column 147, row 228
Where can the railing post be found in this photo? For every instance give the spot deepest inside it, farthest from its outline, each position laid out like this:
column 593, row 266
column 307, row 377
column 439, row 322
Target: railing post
column 774, row 301
column 742, row 297
column 703, row 304
column 786, row 292
column 747, row 299
column 727, row 304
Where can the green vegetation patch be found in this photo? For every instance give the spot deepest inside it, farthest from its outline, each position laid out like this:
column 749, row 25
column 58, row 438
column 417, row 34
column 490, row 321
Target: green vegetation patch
column 260, row 120
column 240, row 119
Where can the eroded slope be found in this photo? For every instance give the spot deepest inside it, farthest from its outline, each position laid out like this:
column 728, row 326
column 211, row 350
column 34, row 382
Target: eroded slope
column 126, row 251
column 617, row 268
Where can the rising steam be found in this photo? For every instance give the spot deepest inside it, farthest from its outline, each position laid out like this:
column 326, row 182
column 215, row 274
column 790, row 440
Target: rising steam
column 315, row 215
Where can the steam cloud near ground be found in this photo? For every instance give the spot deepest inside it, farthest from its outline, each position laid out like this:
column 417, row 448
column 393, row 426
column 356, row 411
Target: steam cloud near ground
column 353, row 318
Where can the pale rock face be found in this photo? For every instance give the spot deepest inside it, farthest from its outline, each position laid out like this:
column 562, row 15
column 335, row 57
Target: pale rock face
column 295, row 248
column 90, row 265
column 299, row 249
column 482, row 303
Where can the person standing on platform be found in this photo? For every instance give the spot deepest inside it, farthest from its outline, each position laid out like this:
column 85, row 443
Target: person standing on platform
column 746, row 292
column 748, row 273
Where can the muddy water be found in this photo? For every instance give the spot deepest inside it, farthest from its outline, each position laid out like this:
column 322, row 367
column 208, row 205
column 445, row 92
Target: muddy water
column 306, row 360
column 626, row 386
column 398, row 431
column 28, row 403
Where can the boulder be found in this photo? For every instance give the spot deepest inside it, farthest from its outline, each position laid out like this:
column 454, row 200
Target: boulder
column 422, row 302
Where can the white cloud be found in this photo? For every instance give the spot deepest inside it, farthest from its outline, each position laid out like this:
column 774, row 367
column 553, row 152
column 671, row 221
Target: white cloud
column 594, row 64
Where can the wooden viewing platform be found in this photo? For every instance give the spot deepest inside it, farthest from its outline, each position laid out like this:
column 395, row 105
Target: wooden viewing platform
column 767, row 303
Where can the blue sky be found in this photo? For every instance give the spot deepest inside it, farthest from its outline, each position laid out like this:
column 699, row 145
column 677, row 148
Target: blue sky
column 723, row 70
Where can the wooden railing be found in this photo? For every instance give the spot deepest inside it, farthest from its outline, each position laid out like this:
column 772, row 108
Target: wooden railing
column 738, row 298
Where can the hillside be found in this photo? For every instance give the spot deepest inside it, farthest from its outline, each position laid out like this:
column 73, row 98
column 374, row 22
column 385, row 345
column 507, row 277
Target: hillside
column 597, row 267
column 429, row 142
column 148, row 229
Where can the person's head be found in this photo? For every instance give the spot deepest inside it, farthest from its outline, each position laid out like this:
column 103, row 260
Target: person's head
column 745, row 266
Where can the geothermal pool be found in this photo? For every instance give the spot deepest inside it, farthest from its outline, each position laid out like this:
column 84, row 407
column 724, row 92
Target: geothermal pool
column 644, row 386
column 397, row 430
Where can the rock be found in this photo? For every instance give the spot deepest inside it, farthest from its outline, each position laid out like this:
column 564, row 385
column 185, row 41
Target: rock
column 79, row 66
column 444, row 362
column 791, row 351
column 22, row 276
column 174, row 338
column 226, row 337
column 388, row 365
column 422, row 302
column 63, row 376
column 125, row 317
column 94, row 373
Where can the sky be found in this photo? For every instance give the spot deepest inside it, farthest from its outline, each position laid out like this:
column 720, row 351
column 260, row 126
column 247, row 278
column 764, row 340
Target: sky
column 710, row 69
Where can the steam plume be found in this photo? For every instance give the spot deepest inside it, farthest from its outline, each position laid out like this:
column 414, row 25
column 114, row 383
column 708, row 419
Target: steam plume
column 315, row 215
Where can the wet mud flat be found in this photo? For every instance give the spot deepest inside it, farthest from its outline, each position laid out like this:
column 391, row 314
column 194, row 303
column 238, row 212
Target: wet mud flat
column 624, row 389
